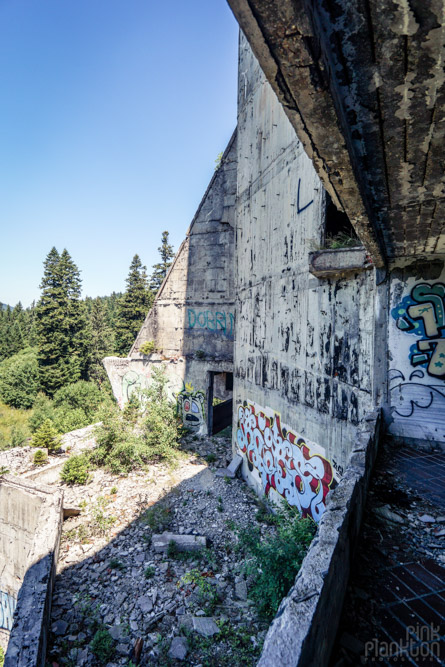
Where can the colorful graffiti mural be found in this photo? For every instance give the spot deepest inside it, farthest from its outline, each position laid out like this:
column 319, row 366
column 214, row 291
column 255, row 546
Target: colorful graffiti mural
column 422, row 313
column 7, row 608
column 219, row 322
column 284, row 461
column 190, row 404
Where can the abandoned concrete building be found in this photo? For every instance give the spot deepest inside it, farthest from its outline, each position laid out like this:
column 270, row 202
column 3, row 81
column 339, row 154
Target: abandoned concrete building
column 310, row 350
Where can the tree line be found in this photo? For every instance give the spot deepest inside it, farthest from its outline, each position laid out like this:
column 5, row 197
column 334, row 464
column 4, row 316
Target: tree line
column 63, row 338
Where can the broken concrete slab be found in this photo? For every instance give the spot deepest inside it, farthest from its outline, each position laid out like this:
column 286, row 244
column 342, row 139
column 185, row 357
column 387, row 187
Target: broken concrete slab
column 232, row 469
column 183, row 542
column 205, row 626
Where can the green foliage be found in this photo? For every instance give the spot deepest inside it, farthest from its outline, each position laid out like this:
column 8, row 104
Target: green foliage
column 19, row 379
column 62, row 331
column 143, row 433
column 40, row 458
column 2, row 657
column 218, row 160
column 46, row 437
column 102, row 645
column 157, row 518
column 133, row 307
column 113, row 490
column 101, row 342
column 74, row 406
column 149, row 572
column 76, row 470
column 101, row 522
column 116, row 564
column 14, row 429
column 342, row 240
column 148, row 347
column 160, row 270
column 206, row 593
column 274, row 562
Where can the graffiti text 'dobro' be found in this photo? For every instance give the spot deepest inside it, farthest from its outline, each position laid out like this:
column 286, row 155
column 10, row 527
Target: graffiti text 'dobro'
column 219, row 322
column 284, row 462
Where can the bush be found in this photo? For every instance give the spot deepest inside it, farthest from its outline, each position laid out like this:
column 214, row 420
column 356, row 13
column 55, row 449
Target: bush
column 81, row 395
column 40, row 458
column 76, row 470
column 19, row 379
column 14, row 429
column 148, row 347
column 46, row 437
column 102, row 645
column 275, row 562
column 74, row 406
column 144, row 432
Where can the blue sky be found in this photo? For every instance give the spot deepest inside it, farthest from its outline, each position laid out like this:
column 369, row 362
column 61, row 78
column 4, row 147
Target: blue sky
column 112, row 113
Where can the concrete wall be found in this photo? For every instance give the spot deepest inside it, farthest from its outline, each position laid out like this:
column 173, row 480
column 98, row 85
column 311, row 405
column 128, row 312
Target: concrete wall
column 303, row 345
column 192, row 322
column 31, row 518
column 416, row 345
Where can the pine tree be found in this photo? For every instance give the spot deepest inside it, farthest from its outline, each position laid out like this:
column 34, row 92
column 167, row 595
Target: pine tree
column 102, row 339
column 132, row 307
column 160, row 270
column 61, row 324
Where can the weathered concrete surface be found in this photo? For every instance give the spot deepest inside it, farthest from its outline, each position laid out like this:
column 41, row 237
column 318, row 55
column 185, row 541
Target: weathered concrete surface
column 363, row 85
column 192, row 321
column 303, row 346
column 336, row 263
column 303, row 631
column 30, row 525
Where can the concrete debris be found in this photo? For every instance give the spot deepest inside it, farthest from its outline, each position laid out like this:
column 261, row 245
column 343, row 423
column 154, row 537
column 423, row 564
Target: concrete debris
column 178, row 648
column 386, row 513
column 427, row 518
column 232, row 469
column 182, row 542
column 205, row 626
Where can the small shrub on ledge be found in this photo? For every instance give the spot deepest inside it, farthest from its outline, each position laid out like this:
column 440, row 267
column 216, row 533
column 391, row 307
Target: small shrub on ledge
column 148, row 347
column 40, row 458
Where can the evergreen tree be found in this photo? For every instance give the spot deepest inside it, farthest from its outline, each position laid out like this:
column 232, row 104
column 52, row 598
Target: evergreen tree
column 102, row 340
column 132, row 307
column 160, row 270
column 61, row 324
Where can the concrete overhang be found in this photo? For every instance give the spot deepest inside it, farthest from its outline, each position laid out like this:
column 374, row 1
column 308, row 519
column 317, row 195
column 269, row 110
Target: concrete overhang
column 363, row 85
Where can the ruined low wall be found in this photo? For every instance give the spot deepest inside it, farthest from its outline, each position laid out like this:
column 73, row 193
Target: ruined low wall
column 304, row 629
column 31, row 518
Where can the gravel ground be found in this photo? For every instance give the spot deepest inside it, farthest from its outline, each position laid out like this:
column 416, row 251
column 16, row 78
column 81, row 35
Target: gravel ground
column 118, row 602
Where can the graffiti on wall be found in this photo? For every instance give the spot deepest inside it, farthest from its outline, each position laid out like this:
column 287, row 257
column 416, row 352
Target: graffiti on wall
column 190, row 404
column 417, row 379
column 219, row 322
column 422, row 313
column 284, row 461
column 7, row 608
column 133, row 382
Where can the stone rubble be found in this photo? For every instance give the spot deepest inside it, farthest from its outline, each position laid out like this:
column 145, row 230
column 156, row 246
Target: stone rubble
column 111, row 576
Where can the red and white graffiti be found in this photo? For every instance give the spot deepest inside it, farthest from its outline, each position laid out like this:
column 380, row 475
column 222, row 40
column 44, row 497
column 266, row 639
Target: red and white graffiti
column 284, row 461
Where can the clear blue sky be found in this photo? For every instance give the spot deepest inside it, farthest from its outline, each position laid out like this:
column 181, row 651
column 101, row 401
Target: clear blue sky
column 112, row 113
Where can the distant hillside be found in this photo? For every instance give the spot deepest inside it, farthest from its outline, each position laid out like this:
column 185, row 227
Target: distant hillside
column 3, row 306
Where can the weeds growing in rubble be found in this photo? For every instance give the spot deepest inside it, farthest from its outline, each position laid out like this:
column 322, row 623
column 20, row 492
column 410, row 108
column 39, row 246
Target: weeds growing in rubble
column 273, row 563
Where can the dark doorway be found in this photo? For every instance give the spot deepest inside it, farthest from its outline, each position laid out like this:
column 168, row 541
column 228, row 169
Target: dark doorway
column 220, row 402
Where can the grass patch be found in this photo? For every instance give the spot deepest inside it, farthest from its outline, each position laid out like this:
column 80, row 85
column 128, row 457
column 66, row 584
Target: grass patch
column 157, row 518
column 14, row 429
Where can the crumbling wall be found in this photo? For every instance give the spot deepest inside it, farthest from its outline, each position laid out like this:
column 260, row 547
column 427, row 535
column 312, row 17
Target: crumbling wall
column 31, row 518
column 416, row 345
column 304, row 345
column 192, row 322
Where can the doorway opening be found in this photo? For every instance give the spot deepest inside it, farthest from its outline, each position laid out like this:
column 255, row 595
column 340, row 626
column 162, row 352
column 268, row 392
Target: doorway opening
column 220, row 401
